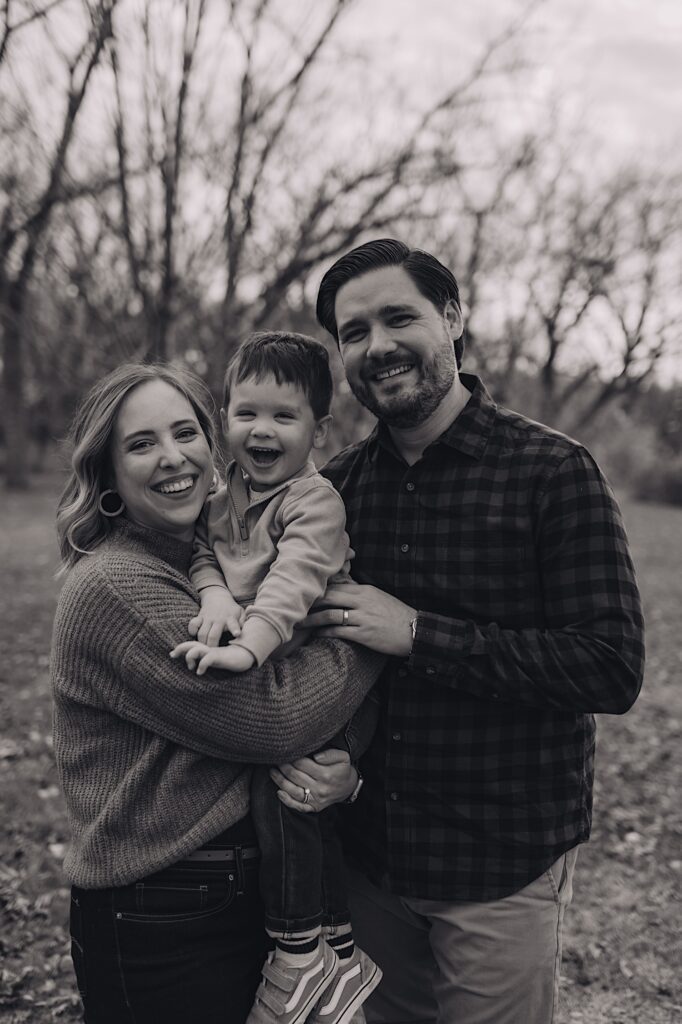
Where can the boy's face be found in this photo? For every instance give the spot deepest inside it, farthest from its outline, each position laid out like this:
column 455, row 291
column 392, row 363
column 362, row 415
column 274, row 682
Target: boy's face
column 271, row 430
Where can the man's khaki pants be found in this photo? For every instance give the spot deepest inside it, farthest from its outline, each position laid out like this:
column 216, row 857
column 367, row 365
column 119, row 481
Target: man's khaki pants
column 462, row 962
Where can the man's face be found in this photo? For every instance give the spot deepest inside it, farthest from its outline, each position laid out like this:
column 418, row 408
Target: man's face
column 396, row 347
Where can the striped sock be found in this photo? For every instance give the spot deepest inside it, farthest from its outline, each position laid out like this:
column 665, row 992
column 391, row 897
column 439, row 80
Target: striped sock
column 297, row 950
column 340, row 938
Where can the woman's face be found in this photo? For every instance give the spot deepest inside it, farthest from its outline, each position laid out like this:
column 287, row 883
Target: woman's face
column 161, row 459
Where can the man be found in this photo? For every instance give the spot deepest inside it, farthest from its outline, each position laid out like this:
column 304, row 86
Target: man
column 492, row 565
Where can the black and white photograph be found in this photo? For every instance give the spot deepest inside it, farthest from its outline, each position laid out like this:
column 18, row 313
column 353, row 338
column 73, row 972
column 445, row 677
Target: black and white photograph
column 340, row 511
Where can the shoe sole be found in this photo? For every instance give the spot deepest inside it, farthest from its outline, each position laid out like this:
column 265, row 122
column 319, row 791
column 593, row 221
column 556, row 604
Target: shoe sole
column 359, row 997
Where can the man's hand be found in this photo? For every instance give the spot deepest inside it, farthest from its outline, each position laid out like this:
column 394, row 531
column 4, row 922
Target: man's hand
column 232, row 658
column 219, row 613
column 328, row 776
column 366, row 615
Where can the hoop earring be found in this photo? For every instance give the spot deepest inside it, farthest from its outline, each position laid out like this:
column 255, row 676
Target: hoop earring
column 103, row 510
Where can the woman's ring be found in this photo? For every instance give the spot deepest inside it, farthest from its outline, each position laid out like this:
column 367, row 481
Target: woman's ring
column 344, row 621
column 306, row 795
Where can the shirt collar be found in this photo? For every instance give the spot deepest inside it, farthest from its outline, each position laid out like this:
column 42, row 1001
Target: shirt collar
column 241, row 483
column 468, row 432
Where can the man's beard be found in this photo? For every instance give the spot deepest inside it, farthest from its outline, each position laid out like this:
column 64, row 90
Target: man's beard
column 411, row 409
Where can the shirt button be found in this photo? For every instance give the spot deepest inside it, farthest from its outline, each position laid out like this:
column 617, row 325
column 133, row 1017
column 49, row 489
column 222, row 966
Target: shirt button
column 409, row 487
column 394, row 796
column 404, row 548
column 402, row 672
column 397, row 736
column 430, row 670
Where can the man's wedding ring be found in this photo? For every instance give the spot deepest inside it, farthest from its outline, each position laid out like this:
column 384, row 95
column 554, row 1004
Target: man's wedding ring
column 344, row 621
column 306, row 795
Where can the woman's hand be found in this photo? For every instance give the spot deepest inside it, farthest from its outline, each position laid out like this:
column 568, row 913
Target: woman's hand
column 328, row 777
column 368, row 616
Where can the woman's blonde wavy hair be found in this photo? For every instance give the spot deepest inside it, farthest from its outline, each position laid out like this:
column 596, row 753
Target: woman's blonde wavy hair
column 81, row 527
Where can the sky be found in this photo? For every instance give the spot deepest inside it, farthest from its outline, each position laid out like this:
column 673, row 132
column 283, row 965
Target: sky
column 622, row 61
column 615, row 65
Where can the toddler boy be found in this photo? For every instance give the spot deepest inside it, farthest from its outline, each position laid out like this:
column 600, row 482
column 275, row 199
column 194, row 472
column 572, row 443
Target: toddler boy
column 266, row 548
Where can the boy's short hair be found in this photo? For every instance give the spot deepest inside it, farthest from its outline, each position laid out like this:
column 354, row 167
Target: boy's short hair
column 288, row 357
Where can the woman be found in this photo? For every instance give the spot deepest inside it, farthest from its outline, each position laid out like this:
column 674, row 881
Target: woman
column 166, row 919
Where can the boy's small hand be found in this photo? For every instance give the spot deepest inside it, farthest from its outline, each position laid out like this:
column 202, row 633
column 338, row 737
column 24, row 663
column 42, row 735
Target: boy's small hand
column 193, row 652
column 200, row 657
column 219, row 613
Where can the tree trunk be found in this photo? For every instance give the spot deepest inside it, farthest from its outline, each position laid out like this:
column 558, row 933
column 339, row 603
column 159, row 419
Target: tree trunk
column 13, row 403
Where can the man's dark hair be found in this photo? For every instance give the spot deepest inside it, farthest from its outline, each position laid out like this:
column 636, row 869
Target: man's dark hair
column 289, row 358
column 431, row 277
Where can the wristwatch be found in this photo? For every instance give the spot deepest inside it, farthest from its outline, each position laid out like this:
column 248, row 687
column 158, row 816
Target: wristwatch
column 358, row 786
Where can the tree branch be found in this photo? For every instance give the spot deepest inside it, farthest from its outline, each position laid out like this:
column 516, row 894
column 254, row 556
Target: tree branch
column 8, row 29
column 36, row 224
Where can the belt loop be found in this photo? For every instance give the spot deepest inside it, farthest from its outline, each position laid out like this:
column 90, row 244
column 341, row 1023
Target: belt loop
column 239, row 870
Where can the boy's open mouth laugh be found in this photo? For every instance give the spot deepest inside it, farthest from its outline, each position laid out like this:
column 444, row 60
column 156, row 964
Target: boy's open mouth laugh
column 264, row 456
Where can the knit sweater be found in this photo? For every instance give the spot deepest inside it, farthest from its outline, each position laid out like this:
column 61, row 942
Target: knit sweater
column 153, row 759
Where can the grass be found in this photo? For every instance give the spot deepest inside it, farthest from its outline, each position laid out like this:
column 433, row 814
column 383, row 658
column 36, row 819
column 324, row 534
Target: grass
column 620, row 945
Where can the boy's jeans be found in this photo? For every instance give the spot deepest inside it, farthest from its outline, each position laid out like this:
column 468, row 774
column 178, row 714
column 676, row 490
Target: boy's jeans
column 302, row 872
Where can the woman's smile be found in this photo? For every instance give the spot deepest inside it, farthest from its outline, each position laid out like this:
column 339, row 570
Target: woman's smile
column 176, row 487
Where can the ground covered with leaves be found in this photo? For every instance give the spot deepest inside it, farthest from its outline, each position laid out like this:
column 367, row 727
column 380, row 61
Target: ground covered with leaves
column 621, row 947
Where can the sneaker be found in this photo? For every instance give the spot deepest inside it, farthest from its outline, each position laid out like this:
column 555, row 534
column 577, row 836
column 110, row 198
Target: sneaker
column 287, row 993
column 355, row 979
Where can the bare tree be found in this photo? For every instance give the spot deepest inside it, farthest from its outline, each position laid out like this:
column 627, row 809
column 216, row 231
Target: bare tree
column 214, row 190
column 344, row 201
column 224, row 208
column 474, row 239
column 572, row 235
column 152, row 263
column 579, row 287
column 21, row 233
column 643, row 321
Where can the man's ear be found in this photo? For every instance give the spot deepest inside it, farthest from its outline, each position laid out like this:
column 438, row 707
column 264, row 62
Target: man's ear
column 322, row 432
column 453, row 318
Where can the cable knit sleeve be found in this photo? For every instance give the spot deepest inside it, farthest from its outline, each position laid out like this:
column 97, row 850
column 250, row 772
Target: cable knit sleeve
column 273, row 713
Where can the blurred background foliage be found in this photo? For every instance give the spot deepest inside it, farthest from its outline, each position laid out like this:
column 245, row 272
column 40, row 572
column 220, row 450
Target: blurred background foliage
column 176, row 173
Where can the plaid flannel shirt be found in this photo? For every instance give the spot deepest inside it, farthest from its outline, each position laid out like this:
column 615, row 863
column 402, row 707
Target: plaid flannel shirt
column 508, row 540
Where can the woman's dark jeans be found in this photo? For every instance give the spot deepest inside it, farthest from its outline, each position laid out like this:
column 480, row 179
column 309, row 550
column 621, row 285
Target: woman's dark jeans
column 185, row 944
